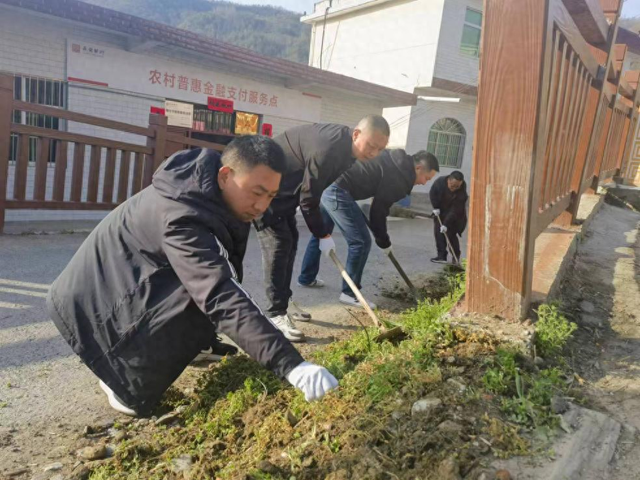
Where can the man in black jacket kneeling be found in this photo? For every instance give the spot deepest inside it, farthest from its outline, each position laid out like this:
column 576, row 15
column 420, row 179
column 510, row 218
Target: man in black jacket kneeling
column 160, row 275
column 387, row 178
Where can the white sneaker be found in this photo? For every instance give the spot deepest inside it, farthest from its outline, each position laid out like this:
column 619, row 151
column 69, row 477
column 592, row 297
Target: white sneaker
column 115, row 403
column 317, row 283
column 285, row 325
column 297, row 314
column 349, row 300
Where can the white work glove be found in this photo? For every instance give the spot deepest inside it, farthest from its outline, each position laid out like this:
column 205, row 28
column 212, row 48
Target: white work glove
column 436, row 212
column 312, row 380
column 326, row 245
column 443, row 229
column 387, row 250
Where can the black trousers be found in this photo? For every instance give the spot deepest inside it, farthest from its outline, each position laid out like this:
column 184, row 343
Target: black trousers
column 279, row 244
column 143, row 365
column 441, row 242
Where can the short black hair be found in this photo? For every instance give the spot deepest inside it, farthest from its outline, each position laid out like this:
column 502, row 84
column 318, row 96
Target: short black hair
column 427, row 160
column 375, row 122
column 457, row 175
column 247, row 152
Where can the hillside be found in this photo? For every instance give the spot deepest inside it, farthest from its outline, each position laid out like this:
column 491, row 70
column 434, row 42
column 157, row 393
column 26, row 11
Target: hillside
column 631, row 23
column 271, row 31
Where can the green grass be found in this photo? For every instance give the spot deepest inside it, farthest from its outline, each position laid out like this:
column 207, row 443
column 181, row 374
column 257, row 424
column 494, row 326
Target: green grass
column 553, row 330
column 526, row 394
column 240, row 413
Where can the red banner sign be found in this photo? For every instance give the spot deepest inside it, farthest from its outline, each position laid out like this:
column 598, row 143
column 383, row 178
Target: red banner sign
column 158, row 110
column 267, row 129
column 220, row 104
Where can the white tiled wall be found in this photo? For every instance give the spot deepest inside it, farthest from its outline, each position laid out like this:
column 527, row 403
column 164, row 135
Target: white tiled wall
column 36, row 45
column 450, row 63
column 281, row 124
column 347, row 110
column 425, row 114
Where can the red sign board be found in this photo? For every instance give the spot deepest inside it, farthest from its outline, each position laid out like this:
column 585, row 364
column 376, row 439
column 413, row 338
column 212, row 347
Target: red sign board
column 158, row 110
column 267, row 129
column 220, row 104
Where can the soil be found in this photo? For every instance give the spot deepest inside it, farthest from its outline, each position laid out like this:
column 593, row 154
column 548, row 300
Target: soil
column 606, row 349
column 601, row 294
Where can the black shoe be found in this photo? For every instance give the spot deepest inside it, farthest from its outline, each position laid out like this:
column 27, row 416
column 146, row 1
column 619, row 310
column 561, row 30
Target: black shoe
column 216, row 351
column 439, row 259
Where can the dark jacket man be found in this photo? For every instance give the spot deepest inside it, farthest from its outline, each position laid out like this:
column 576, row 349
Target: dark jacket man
column 387, row 178
column 316, row 155
column 448, row 197
column 150, row 286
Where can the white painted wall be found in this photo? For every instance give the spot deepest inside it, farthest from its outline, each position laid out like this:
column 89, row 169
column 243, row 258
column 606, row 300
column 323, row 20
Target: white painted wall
column 37, row 45
column 631, row 61
column 398, row 43
column 392, row 43
column 425, row 114
column 402, row 44
column 450, row 63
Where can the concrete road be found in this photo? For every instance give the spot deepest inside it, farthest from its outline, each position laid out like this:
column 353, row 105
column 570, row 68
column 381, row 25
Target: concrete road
column 47, row 395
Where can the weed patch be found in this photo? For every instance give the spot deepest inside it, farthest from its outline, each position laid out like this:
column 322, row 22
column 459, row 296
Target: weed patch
column 553, row 330
column 244, row 422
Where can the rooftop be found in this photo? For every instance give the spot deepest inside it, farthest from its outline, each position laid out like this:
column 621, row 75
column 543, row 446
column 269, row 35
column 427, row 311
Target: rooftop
column 293, row 75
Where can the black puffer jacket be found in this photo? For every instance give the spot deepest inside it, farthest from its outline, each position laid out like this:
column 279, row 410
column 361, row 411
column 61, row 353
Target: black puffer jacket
column 387, row 178
column 317, row 154
column 148, row 288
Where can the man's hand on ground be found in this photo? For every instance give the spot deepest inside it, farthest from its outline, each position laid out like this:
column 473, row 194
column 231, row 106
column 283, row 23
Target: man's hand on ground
column 312, row 380
column 327, row 244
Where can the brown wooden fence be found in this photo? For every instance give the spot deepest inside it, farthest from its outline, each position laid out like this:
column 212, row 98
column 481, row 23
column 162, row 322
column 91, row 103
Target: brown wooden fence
column 116, row 169
column 554, row 119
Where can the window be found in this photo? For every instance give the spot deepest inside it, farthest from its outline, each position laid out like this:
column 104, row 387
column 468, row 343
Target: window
column 470, row 44
column 42, row 91
column 446, row 142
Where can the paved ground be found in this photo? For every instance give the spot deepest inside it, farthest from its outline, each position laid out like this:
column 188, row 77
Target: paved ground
column 48, row 396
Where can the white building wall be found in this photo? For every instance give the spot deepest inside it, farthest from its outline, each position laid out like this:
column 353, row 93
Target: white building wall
column 425, row 114
column 392, row 44
column 346, row 110
column 281, row 124
column 36, row 45
column 631, row 61
column 399, row 121
column 336, row 108
column 404, row 44
column 450, row 63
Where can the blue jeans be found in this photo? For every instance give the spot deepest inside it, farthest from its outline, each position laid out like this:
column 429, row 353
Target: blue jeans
column 339, row 208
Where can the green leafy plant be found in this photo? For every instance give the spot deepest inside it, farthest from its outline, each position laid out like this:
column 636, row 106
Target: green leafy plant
column 553, row 330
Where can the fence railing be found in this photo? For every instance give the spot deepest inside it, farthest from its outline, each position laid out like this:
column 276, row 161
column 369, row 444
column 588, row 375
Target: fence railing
column 74, row 171
column 554, row 119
